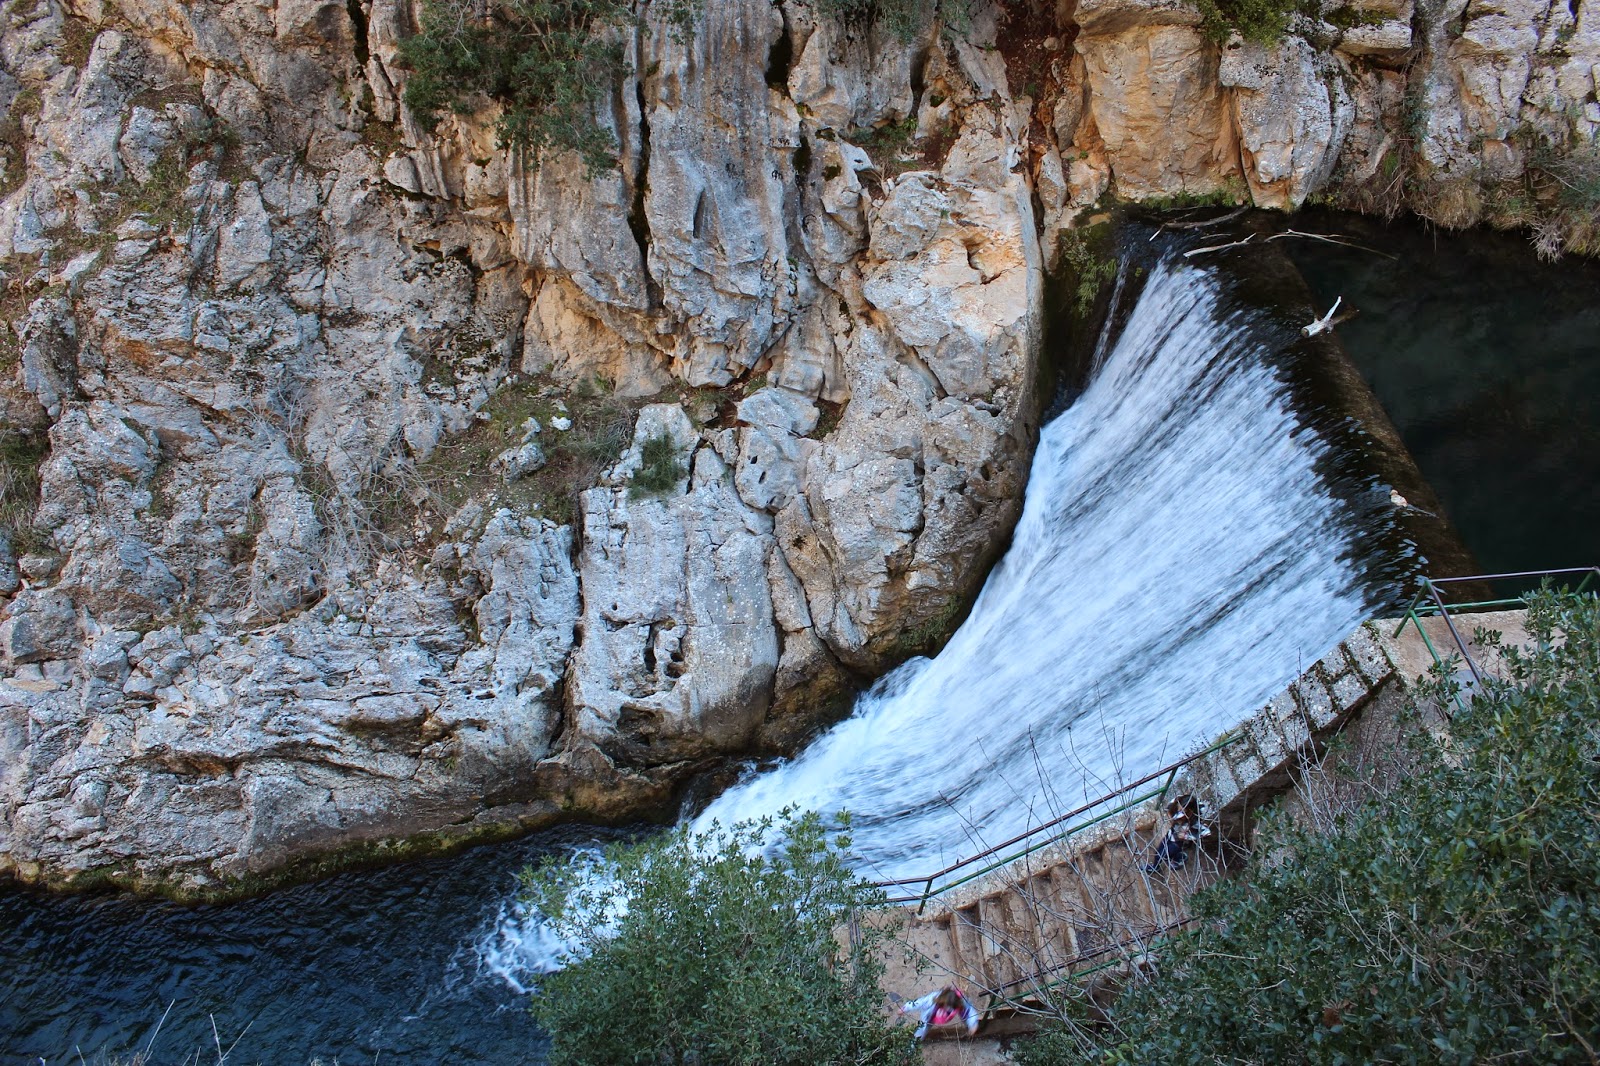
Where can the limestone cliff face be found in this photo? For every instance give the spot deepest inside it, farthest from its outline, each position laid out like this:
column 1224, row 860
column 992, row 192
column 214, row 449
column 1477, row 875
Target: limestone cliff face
column 251, row 305
column 277, row 600
column 1380, row 104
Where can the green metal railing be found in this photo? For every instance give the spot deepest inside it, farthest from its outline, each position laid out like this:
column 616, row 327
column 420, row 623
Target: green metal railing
column 1034, row 985
column 1046, row 833
column 1429, row 603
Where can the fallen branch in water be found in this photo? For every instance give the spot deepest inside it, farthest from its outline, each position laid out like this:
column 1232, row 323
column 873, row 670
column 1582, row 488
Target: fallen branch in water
column 1192, row 252
column 1325, row 323
column 1331, row 240
column 1203, row 223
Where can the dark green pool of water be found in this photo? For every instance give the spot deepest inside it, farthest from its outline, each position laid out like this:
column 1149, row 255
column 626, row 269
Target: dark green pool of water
column 1488, row 363
column 364, row 968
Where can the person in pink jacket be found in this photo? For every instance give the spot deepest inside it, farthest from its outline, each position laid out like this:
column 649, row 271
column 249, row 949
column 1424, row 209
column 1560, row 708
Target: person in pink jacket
column 944, row 1007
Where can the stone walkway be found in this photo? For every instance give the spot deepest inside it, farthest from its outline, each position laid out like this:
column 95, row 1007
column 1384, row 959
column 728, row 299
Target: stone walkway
column 1085, row 910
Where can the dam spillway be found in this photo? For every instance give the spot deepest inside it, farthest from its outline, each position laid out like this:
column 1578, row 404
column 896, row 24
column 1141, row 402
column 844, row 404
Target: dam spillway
column 1184, row 551
column 1181, row 555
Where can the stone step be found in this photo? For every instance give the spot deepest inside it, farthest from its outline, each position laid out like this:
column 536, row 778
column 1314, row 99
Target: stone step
column 1000, row 943
column 966, row 934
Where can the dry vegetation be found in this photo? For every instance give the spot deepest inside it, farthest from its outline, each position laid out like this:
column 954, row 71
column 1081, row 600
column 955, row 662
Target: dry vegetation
column 13, row 138
column 21, row 455
column 461, row 467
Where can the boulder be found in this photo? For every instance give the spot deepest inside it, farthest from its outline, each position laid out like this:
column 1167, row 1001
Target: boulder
column 678, row 647
column 39, row 625
column 1293, row 112
column 1157, row 103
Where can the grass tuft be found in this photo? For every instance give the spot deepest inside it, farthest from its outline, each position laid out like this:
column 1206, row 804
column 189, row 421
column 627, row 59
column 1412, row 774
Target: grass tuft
column 21, row 456
column 659, row 467
column 602, row 425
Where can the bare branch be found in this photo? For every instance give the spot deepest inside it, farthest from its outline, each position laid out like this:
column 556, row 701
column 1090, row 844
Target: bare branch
column 1191, row 253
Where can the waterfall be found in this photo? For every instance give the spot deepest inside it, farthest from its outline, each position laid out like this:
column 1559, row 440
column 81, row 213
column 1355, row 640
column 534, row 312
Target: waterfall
column 1179, row 559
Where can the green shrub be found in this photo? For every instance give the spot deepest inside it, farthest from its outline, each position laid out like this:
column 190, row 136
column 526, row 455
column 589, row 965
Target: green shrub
column 160, row 199
column 1569, row 179
column 1454, row 920
column 14, row 140
column 716, row 948
column 1090, row 264
column 659, row 467
column 549, row 63
column 1266, row 21
column 1262, row 21
column 886, row 143
column 900, row 17
column 462, row 465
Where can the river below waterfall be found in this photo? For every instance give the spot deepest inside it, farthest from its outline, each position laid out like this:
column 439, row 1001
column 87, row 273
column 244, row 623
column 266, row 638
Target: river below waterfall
column 1191, row 540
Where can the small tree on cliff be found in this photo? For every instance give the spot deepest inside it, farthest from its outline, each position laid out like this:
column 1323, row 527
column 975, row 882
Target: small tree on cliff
column 549, row 64
column 716, row 948
column 902, row 18
column 1454, row 920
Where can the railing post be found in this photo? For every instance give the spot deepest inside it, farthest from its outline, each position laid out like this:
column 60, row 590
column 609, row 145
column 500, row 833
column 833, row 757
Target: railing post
column 1413, row 614
column 1590, row 576
column 1477, row 678
column 1410, row 615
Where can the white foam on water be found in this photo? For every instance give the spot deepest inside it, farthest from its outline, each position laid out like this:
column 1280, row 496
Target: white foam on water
column 1177, row 562
column 520, row 944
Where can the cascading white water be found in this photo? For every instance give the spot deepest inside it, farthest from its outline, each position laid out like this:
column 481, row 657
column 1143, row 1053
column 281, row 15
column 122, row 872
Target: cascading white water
column 1178, row 560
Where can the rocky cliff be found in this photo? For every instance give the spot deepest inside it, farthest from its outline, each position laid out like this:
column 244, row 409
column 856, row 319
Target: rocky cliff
column 364, row 486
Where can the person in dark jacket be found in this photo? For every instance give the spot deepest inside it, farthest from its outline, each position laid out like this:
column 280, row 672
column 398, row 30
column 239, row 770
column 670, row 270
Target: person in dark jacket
column 1186, row 831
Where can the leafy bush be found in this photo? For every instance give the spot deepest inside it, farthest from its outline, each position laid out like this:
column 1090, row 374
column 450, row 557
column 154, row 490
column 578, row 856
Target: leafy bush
column 716, row 948
column 1570, row 219
column 1089, row 263
column 659, row 467
column 26, row 104
column 900, row 17
column 1263, row 21
column 549, row 63
column 462, row 466
column 1455, row 920
column 1266, row 21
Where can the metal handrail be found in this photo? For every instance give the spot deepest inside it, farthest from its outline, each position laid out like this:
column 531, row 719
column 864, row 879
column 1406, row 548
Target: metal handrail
column 1418, row 609
column 1415, row 612
column 1589, row 572
column 1170, row 772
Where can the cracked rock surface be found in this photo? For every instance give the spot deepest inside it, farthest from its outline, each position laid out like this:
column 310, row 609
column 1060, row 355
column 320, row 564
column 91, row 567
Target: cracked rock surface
column 253, row 312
